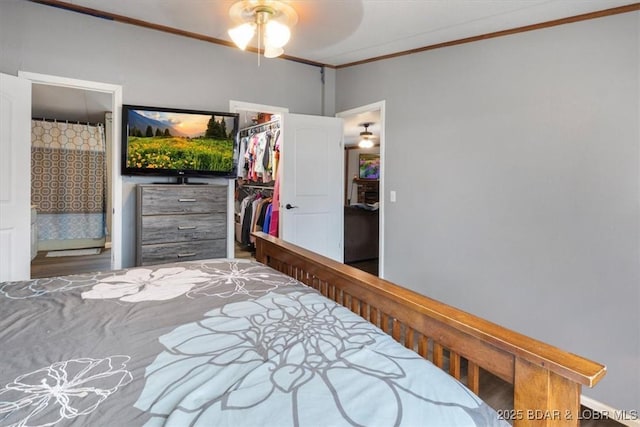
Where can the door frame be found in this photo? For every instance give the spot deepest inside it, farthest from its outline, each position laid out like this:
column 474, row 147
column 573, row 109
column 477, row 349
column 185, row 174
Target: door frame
column 376, row 106
column 116, row 110
column 236, row 107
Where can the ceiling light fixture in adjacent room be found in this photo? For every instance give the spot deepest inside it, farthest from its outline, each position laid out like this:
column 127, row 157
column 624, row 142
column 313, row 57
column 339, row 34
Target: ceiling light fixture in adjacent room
column 271, row 19
column 366, row 137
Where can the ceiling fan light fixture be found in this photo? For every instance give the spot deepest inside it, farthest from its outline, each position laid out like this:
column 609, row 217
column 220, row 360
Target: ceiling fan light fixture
column 270, row 19
column 365, row 143
column 276, row 34
column 366, row 137
column 272, row 52
column 242, row 34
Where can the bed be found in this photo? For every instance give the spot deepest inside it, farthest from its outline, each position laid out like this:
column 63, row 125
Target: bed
column 293, row 339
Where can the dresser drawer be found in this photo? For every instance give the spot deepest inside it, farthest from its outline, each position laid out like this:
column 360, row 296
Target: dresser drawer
column 184, row 251
column 168, row 199
column 182, row 228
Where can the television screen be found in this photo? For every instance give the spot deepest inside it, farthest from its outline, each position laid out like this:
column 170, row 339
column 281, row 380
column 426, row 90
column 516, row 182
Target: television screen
column 175, row 142
column 369, row 166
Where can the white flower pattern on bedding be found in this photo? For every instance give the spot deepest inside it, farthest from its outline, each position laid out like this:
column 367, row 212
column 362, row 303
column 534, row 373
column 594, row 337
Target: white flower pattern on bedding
column 211, row 279
column 229, row 279
column 264, row 361
column 142, row 284
column 63, row 390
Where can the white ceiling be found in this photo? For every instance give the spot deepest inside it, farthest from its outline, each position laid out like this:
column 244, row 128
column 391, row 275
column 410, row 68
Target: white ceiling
column 338, row 32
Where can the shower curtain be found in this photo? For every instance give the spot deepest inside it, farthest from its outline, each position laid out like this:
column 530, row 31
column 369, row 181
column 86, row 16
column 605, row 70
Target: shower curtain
column 68, row 180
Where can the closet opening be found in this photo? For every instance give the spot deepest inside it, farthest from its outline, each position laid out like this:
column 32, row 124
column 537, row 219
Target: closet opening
column 71, row 182
column 308, row 177
column 256, row 190
column 257, row 183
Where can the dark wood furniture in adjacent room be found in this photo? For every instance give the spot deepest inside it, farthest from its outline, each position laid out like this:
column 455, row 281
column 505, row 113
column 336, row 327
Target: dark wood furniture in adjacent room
column 361, row 234
column 367, row 190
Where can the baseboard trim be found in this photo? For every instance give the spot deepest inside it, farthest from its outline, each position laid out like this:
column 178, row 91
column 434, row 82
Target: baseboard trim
column 624, row 418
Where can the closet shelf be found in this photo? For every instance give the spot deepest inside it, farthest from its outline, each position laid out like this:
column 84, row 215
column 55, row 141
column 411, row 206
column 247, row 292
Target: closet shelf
column 257, row 186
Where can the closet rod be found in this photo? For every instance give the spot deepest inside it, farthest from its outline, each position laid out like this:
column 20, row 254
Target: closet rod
column 77, row 122
column 256, row 186
column 269, row 123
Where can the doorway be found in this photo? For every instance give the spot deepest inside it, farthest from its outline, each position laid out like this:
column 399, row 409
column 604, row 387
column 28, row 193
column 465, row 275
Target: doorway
column 252, row 116
column 95, row 98
column 309, row 172
column 364, row 188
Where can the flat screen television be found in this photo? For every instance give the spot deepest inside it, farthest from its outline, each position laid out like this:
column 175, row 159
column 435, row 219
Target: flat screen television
column 369, row 166
column 175, row 142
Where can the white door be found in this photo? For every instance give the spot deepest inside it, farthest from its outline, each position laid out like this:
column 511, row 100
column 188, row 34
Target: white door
column 15, row 180
column 311, row 193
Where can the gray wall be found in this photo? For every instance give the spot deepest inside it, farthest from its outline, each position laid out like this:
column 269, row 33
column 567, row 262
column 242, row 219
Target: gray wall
column 154, row 68
column 516, row 166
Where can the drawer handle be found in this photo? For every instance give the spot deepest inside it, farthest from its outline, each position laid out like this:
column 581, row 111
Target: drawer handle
column 187, row 255
column 187, row 227
column 187, row 200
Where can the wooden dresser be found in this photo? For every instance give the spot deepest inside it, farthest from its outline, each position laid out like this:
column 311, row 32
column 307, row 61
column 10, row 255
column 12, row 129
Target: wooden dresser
column 180, row 223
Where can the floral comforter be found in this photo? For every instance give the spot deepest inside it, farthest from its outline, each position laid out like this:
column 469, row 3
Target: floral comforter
column 216, row 342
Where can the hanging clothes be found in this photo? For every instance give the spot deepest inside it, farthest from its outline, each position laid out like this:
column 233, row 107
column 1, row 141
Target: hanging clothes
column 275, row 153
column 242, row 161
column 274, row 224
column 275, row 212
column 256, row 161
column 252, row 215
column 267, row 218
column 245, row 220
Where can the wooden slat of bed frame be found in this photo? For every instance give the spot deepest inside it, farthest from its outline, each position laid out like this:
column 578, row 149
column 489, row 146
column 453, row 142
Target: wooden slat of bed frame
column 454, row 365
column 545, row 378
column 396, row 329
column 409, row 337
column 373, row 316
column 437, row 355
column 423, row 346
column 473, row 377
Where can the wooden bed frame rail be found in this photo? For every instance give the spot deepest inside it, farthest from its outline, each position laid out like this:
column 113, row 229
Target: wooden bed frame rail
column 547, row 381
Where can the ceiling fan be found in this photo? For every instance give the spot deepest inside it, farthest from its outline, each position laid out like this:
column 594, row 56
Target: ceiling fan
column 270, row 19
column 366, row 136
